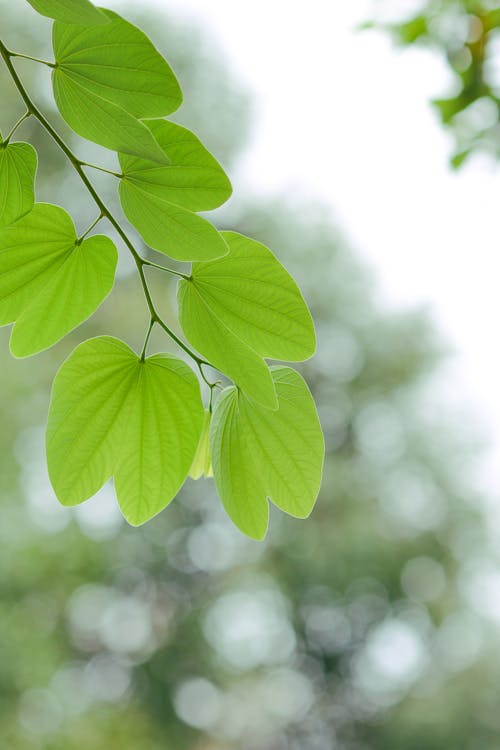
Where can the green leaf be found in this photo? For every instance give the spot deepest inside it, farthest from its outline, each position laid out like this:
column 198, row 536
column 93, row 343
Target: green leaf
column 18, row 162
column 112, row 413
column 163, row 430
column 193, row 179
column 222, row 348
column 257, row 299
column 50, row 283
column 117, row 62
column 243, row 307
column 202, row 465
column 101, row 121
column 258, row 454
column 170, row 229
column 80, row 12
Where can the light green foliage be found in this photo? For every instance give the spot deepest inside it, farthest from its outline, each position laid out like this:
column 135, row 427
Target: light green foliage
column 70, row 11
column 113, row 414
column 50, row 283
column 107, row 77
column 168, row 228
column 202, row 465
column 159, row 200
column 193, row 179
column 241, row 308
column 18, row 162
column 142, row 419
column 259, row 454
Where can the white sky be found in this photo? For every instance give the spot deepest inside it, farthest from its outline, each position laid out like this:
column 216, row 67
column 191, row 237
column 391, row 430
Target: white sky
column 344, row 116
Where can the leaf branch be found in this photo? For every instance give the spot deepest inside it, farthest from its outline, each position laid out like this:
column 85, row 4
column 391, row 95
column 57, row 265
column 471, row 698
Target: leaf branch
column 140, row 262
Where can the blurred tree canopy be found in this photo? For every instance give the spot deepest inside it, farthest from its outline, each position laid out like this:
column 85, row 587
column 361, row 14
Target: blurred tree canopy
column 466, row 33
column 372, row 625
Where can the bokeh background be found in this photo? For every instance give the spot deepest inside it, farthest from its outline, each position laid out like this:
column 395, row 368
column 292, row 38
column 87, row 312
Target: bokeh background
column 375, row 624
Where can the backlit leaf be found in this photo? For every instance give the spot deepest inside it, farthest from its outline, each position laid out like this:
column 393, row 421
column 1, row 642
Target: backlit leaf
column 257, row 299
column 117, row 62
column 172, row 230
column 101, row 121
column 113, row 414
column 259, row 454
column 193, row 179
column 222, row 348
column 243, row 307
column 202, row 465
column 70, row 11
column 18, row 162
column 50, row 283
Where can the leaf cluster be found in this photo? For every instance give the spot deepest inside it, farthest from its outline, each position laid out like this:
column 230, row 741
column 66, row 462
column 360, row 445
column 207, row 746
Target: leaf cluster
column 116, row 413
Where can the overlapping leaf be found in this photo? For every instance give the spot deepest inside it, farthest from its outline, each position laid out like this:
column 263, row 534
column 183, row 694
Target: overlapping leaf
column 159, row 200
column 243, row 307
column 113, row 414
column 80, row 12
column 193, row 179
column 258, row 454
column 49, row 282
column 18, row 162
column 202, row 465
column 109, row 76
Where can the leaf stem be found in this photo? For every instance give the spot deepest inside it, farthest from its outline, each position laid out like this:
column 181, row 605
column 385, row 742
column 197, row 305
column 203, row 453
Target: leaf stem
column 105, row 212
column 101, row 169
column 18, row 123
column 94, row 223
column 148, row 334
column 146, row 262
column 34, row 59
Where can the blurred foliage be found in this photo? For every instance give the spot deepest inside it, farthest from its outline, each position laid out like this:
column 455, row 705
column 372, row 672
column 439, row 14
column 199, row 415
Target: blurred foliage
column 467, row 34
column 374, row 624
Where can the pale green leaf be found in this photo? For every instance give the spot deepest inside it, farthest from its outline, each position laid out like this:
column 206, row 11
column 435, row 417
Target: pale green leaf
column 193, row 179
column 18, row 162
column 202, row 466
column 101, row 121
column 117, row 62
column 71, row 296
column 163, row 429
column 113, row 414
column 172, row 230
column 257, row 299
column 49, row 282
column 80, row 12
column 211, row 337
column 259, row 454
column 86, row 417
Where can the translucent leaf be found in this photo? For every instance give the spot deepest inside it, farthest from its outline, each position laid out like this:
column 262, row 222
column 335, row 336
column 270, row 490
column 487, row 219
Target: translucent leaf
column 117, row 62
column 222, row 348
column 101, row 121
column 50, row 283
column 18, row 162
column 243, row 307
column 111, row 413
column 259, row 454
column 163, row 429
column 193, row 179
column 257, row 299
column 202, row 466
column 168, row 228
column 70, row 11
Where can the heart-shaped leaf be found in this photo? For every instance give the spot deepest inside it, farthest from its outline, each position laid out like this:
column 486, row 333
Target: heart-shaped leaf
column 113, row 414
column 18, row 162
column 49, row 281
column 259, row 454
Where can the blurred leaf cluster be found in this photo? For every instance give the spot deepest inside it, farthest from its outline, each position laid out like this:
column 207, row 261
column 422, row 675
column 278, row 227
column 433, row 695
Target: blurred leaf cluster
column 372, row 626
column 466, row 33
